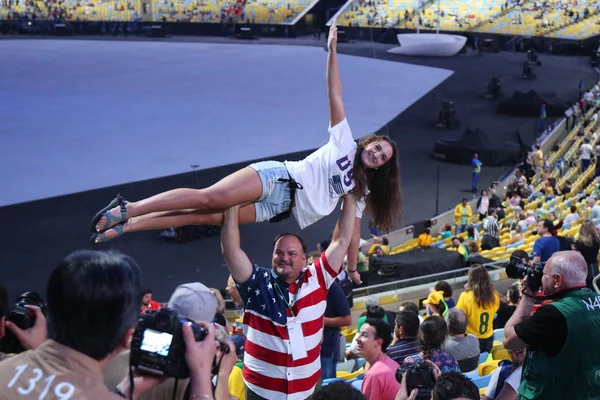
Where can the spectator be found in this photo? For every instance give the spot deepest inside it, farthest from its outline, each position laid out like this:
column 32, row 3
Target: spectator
column 483, row 204
column 505, row 380
column 337, row 315
column 412, row 307
column 476, row 164
column 556, row 223
column 472, row 233
column 491, row 231
column 220, row 309
column 338, row 391
column 464, row 347
column 594, row 208
column 586, row 153
column 540, row 213
column 572, row 217
column 234, row 293
column 405, row 340
column 432, row 335
column 283, row 343
column 462, row 214
column 547, row 244
column 446, row 231
column 381, row 242
column 537, row 160
column 147, row 302
column 380, row 380
column 447, row 289
column 508, row 307
column 454, row 386
column 517, row 236
column 93, row 305
column 193, row 301
column 588, row 244
column 424, row 239
column 374, row 312
column 435, row 304
column 560, row 337
column 461, row 248
column 480, row 302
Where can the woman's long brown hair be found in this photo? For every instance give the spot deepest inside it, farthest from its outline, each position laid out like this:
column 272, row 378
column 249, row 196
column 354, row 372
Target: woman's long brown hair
column 481, row 284
column 384, row 201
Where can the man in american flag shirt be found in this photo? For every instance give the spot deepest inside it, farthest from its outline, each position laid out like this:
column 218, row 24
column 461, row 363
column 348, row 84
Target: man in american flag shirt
column 284, row 307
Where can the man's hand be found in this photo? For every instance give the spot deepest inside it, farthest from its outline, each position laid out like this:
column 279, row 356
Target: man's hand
column 332, row 39
column 227, row 360
column 33, row 337
column 355, row 276
column 403, row 394
column 200, row 355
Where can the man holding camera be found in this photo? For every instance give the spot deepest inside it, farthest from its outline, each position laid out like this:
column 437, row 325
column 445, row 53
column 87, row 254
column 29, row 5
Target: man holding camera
column 563, row 360
column 93, row 305
column 284, row 307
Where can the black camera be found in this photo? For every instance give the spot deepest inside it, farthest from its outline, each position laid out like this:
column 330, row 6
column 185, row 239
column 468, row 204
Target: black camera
column 418, row 376
column 517, row 269
column 158, row 346
column 22, row 317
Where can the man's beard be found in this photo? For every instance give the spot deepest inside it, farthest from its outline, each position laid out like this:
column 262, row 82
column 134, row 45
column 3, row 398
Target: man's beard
column 283, row 275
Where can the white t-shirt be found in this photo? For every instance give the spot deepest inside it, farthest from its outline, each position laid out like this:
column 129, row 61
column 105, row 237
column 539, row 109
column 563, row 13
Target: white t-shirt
column 514, row 380
column 325, row 176
column 586, row 151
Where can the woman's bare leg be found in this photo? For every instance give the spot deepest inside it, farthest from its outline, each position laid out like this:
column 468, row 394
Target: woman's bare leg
column 175, row 219
column 241, row 187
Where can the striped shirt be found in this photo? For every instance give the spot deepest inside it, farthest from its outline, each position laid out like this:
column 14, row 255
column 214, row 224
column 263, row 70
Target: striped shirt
column 403, row 348
column 490, row 227
column 269, row 369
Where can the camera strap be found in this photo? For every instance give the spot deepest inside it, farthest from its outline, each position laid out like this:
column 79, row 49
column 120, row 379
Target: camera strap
column 551, row 296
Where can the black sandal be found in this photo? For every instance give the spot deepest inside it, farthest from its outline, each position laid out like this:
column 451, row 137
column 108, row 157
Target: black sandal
column 105, row 212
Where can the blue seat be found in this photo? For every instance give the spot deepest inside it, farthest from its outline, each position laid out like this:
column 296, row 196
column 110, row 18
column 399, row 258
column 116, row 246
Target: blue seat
column 482, row 381
column 498, row 334
column 357, row 384
column 360, row 362
column 472, row 374
column 483, row 357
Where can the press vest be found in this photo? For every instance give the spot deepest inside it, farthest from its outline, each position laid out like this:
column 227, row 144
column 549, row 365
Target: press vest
column 574, row 373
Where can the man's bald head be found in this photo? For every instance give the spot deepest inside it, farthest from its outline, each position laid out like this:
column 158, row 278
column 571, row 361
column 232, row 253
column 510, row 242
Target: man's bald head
column 564, row 270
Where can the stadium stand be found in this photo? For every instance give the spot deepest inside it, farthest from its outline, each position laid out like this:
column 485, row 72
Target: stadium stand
column 72, row 10
column 396, row 13
column 534, row 18
column 565, row 169
column 578, row 30
column 213, row 11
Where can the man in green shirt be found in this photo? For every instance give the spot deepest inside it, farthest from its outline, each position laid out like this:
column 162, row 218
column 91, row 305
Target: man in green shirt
column 563, row 359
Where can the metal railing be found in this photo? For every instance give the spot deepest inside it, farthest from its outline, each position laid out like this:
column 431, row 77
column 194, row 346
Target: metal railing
column 421, row 280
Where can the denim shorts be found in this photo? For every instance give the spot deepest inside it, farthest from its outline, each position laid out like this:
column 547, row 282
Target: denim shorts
column 275, row 197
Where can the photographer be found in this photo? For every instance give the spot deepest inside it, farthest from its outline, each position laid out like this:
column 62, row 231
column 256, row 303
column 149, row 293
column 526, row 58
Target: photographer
column 562, row 359
column 23, row 338
column 93, row 304
column 448, row 386
column 195, row 302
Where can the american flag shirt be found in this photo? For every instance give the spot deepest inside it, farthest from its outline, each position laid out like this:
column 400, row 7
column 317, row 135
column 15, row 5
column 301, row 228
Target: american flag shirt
column 269, row 369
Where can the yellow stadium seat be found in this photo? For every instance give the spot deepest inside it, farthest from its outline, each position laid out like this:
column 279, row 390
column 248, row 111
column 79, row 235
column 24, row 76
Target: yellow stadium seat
column 487, row 367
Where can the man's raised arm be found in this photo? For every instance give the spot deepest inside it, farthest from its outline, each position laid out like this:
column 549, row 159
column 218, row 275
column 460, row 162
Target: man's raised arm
column 237, row 261
column 342, row 235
